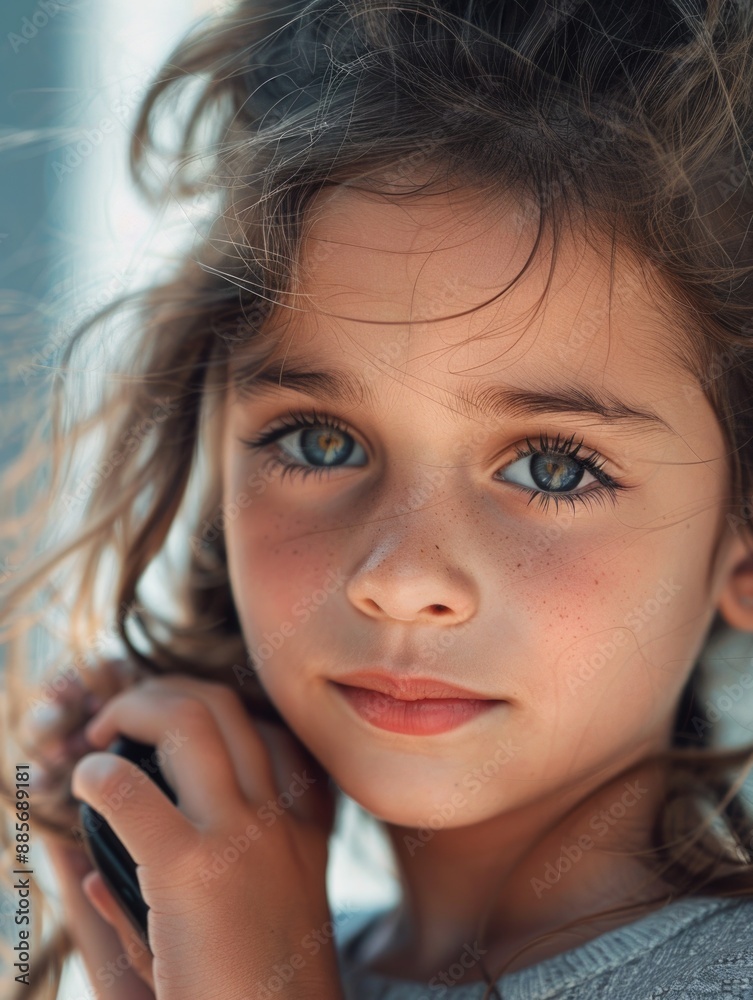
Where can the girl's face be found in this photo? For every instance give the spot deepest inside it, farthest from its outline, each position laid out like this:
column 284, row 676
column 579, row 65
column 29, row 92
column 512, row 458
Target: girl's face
column 420, row 542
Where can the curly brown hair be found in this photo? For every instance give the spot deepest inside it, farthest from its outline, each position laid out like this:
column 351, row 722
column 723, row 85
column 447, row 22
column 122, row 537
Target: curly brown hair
column 637, row 115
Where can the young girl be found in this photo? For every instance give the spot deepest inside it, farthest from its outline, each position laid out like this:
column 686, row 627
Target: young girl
column 447, row 421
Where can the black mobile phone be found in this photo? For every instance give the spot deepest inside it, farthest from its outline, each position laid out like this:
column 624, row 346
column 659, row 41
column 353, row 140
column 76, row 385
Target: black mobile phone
column 106, row 850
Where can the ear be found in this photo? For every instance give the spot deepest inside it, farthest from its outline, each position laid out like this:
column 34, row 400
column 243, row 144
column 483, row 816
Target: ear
column 736, row 597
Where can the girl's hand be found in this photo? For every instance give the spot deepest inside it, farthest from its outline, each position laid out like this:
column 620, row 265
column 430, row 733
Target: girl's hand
column 53, row 741
column 235, row 874
column 109, row 966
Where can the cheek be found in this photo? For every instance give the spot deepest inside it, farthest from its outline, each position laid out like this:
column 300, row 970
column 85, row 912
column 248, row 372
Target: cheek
column 604, row 640
column 577, row 581
column 571, row 587
column 283, row 570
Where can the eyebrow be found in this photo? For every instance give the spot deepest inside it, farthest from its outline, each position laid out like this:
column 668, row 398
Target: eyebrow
column 335, row 385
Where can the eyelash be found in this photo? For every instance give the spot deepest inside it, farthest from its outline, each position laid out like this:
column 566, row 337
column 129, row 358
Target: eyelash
column 563, row 448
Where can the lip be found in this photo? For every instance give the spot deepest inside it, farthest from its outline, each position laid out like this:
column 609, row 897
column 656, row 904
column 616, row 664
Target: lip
column 409, row 688
column 419, row 706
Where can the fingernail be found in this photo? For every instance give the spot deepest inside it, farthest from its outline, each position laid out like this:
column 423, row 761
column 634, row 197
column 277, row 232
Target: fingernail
column 97, row 766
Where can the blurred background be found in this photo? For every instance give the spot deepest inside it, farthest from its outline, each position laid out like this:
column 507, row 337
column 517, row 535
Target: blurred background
column 74, row 235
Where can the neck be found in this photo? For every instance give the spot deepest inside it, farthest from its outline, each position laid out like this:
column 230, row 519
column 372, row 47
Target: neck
column 501, row 883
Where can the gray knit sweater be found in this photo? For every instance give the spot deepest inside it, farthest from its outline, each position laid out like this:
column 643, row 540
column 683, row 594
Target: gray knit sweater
column 694, row 948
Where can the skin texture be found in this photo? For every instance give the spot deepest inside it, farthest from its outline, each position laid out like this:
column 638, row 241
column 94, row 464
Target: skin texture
column 587, row 621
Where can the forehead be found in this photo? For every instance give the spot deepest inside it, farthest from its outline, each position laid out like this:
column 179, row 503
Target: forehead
column 410, row 279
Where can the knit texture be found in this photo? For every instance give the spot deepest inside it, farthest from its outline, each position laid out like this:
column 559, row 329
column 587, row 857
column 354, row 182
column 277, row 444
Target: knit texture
column 694, row 948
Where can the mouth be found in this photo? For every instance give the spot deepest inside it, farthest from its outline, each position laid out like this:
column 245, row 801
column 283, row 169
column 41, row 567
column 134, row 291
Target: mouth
column 409, row 688
column 424, row 707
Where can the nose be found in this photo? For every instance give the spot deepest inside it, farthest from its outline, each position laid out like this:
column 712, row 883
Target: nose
column 406, row 579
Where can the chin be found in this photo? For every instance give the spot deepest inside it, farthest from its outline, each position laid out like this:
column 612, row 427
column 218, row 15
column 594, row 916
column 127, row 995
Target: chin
column 398, row 804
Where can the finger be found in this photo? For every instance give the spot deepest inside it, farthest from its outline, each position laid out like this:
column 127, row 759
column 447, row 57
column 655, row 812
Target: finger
column 223, row 757
column 97, row 942
column 134, row 947
column 269, row 761
column 246, row 748
column 149, row 825
column 190, row 749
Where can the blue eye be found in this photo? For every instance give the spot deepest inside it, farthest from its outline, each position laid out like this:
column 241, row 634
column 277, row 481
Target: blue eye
column 552, row 472
column 322, row 438
column 556, row 466
column 553, row 469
